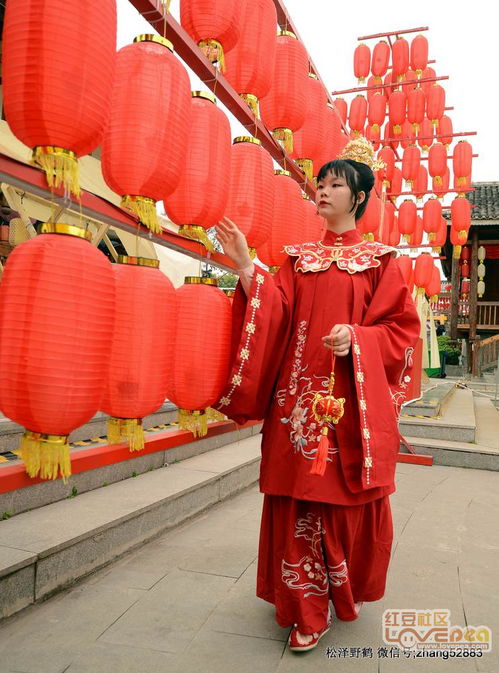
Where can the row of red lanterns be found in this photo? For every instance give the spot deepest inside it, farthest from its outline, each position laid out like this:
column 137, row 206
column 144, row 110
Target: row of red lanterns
column 422, row 273
column 401, row 54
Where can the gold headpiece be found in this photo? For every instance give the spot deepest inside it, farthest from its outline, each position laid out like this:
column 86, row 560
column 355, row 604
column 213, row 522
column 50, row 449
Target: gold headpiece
column 361, row 150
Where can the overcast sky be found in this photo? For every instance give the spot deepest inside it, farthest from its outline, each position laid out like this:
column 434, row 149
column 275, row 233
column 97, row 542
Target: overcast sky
column 463, row 41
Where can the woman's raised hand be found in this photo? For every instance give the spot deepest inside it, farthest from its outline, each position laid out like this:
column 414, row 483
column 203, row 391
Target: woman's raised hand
column 233, row 242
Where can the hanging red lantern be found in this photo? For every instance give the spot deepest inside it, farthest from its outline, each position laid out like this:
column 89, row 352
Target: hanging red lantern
column 441, row 236
column 423, row 270
column 461, row 214
column 55, row 290
column 435, row 104
column 309, row 139
column 141, row 171
column 405, row 265
column 374, row 87
column 463, row 186
column 200, row 199
column 380, row 58
column 387, row 156
column 465, row 287
column 373, row 135
column 409, row 83
column 357, row 116
column 445, row 131
column 458, row 239
column 416, row 105
column 369, row 222
column 410, row 164
column 314, row 224
column 419, row 54
column 394, row 233
column 437, row 162
column 416, row 238
column 407, row 218
column 341, row 108
column 428, row 73
column 465, row 269
column 140, row 357
column 425, row 135
column 420, row 185
column 441, row 188
column 215, row 26
column 434, row 286
column 387, row 210
column 201, row 349
column 333, row 140
column 465, row 254
column 361, row 62
column 50, row 102
column 283, row 108
column 432, row 216
column 377, row 111
column 408, row 136
column 251, row 190
column 397, row 110
column 461, row 162
column 396, row 184
column 400, row 57
column 390, row 84
column 250, row 64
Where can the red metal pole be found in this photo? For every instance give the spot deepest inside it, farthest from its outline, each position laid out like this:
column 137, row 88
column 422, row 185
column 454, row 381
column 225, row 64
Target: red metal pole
column 386, row 86
column 450, row 135
column 426, row 158
column 395, row 32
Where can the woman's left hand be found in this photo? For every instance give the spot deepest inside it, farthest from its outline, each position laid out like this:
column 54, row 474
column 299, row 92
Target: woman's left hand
column 339, row 340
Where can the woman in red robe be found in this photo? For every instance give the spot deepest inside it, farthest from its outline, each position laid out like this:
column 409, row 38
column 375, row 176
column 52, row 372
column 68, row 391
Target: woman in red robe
column 326, row 532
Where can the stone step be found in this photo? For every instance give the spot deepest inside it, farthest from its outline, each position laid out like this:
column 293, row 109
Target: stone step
column 455, row 454
column 50, row 548
column 431, row 402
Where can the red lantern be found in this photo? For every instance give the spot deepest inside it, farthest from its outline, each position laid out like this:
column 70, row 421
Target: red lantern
column 425, row 135
column 428, row 73
column 357, row 116
column 308, row 141
column 408, row 135
column 445, row 130
column 463, row 186
column 465, row 287
column 201, row 351
column 416, row 104
column 419, row 54
column 387, row 155
column 374, row 87
column 369, row 222
column 314, row 224
column 215, row 25
column 51, row 103
column 373, row 134
column 396, row 184
column 405, row 265
column 416, row 238
column 440, row 236
column 435, row 103
column 461, row 162
column 423, row 270
column 410, row 164
column 400, row 57
column 250, row 64
column 432, row 216
column 200, row 198
column 434, row 286
column 387, row 210
column 465, row 254
column 407, row 218
column 397, row 110
column 56, row 322
column 251, row 190
column 140, row 356
column 420, row 185
column 461, row 214
column 333, row 140
column 437, row 162
column 361, row 62
column 441, row 188
column 283, row 108
column 394, row 233
column 146, row 138
column 465, row 268
column 458, row 239
column 341, row 108
column 380, row 58
column 409, row 83
column 377, row 110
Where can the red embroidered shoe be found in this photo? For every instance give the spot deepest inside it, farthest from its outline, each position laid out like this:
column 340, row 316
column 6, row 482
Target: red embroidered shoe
column 300, row 642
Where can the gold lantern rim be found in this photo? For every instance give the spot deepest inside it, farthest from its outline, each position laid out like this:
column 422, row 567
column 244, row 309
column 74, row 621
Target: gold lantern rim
column 149, row 37
column 246, row 139
column 138, row 261
column 281, row 171
column 204, row 94
column 280, row 33
column 67, row 229
column 200, row 280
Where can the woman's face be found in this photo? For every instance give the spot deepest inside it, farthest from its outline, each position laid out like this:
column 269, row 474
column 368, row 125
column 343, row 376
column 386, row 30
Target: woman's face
column 333, row 197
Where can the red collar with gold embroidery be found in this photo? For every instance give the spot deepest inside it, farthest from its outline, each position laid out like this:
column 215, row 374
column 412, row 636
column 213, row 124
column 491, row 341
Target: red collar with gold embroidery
column 317, row 256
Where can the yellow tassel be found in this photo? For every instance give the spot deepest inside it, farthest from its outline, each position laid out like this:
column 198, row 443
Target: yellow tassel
column 307, row 166
column 273, row 269
column 406, row 238
column 214, row 52
column 368, row 237
column 197, row 233
column 60, row 166
column 438, row 250
column 214, row 415
column 285, row 138
column 397, row 129
column 145, row 209
column 120, row 430
column 431, row 237
column 45, row 456
column 252, row 101
column 252, row 252
column 438, row 180
column 456, row 251
column 193, row 421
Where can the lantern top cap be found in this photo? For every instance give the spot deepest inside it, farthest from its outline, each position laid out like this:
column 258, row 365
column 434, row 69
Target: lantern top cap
column 280, row 33
column 280, row 171
column 362, row 151
column 246, row 139
column 312, row 75
column 149, row 37
column 200, row 280
column 204, row 94
column 68, row 229
column 138, row 261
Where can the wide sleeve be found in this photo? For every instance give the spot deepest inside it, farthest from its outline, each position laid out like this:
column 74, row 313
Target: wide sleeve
column 382, row 348
column 261, row 324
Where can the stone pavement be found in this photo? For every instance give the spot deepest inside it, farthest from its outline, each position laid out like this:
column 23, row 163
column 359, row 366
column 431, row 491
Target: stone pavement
column 186, row 601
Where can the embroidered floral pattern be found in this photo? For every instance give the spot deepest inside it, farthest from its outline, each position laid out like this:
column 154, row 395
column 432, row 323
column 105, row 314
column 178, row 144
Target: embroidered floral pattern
column 301, row 338
column 316, row 257
column 399, row 393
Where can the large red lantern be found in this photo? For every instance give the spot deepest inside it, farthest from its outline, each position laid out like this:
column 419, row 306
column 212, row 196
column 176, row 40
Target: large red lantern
column 437, row 162
column 200, row 199
column 410, row 164
column 461, row 162
column 407, row 218
column 420, row 185
column 434, row 286
column 283, row 108
column 140, row 354
column 405, row 265
column 377, row 110
column 361, row 62
column 416, row 104
column 357, row 116
column 380, row 58
column 250, row 65
column 56, row 325
column 423, row 269
column 215, row 25
column 445, row 130
column 51, row 103
column 425, row 135
column 435, row 103
column 334, row 139
column 387, row 156
column 416, row 238
column 201, row 349
column 341, row 107
column 368, row 224
column 251, row 190
column 308, row 141
column 400, row 57
column 460, row 223
column 432, row 216
column 397, row 110
column 419, row 54
column 145, row 141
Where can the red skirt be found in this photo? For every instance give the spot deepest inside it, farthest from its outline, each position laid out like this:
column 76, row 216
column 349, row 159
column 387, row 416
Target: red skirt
column 313, row 552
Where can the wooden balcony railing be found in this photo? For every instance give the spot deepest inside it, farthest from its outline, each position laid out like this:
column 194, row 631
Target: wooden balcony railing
column 485, row 354
column 487, row 313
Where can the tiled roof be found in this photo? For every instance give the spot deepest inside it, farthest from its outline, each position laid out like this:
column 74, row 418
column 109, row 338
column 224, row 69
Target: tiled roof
column 486, row 201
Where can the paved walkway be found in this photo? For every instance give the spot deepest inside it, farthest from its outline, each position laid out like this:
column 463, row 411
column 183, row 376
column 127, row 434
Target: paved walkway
column 186, row 601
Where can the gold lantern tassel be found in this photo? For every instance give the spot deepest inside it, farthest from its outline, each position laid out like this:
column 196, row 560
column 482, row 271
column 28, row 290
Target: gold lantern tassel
column 253, row 103
column 129, row 430
column 45, row 456
column 369, row 236
column 145, row 209
column 214, row 52
column 197, row 233
column 60, row 166
column 456, row 251
column 285, row 138
column 214, row 415
column 193, row 421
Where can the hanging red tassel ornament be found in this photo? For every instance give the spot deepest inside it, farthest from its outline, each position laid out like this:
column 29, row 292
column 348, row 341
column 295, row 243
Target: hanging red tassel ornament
column 215, row 26
column 326, row 409
column 145, row 142
column 380, row 58
column 140, row 356
column 283, row 108
column 51, row 103
column 200, row 199
column 56, row 325
column 361, row 62
column 419, row 54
